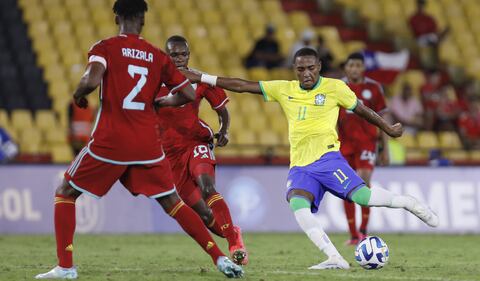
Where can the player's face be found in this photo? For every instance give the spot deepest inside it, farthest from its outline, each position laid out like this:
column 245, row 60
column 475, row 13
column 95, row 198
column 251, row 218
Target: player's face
column 307, row 69
column 354, row 69
column 179, row 53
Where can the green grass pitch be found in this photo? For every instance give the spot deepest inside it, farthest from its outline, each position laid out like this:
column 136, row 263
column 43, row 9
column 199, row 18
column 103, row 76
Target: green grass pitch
column 273, row 257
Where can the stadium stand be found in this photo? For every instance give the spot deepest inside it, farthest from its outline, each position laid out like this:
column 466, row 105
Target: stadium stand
column 44, row 53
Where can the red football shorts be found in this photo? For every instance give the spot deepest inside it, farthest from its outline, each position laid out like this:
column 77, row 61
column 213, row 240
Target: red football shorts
column 95, row 177
column 360, row 154
column 186, row 167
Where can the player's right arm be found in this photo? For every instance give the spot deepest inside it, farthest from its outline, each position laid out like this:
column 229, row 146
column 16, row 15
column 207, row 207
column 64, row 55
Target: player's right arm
column 88, row 83
column 232, row 84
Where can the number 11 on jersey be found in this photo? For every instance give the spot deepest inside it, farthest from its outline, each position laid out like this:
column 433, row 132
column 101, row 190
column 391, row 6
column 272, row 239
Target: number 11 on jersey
column 340, row 176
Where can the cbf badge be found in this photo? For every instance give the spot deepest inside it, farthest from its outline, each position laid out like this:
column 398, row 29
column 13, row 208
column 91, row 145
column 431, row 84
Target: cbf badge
column 320, row 99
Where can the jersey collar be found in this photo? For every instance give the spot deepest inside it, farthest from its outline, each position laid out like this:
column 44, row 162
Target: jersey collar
column 314, row 87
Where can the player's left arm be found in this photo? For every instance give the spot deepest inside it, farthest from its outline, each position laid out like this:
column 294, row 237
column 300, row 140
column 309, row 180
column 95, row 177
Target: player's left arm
column 224, row 119
column 90, row 80
column 371, row 116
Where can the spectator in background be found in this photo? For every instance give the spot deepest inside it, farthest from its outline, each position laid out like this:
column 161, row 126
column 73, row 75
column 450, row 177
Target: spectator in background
column 8, row 149
column 266, row 52
column 307, row 41
column 469, row 125
column 446, row 110
column 324, row 55
column 80, row 125
column 429, row 95
column 425, row 30
column 407, row 109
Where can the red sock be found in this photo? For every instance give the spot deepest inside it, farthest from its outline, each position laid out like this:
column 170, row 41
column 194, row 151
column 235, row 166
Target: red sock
column 216, row 228
column 193, row 225
column 64, row 229
column 350, row 212
column 223, row 219
column 365, row 218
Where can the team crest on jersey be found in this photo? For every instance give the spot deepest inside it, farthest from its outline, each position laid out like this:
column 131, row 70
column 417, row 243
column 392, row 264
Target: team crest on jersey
column 320, row 99
column 367, row 94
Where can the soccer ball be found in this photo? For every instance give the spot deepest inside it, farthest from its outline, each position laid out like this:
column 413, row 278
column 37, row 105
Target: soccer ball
column 371, row 253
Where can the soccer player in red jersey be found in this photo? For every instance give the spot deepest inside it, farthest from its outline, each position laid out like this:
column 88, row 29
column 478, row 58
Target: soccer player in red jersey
column 125, row 144
column 359, row 138
column 188, row 143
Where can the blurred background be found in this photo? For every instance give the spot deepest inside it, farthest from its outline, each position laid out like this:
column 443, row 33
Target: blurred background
column 44, row 45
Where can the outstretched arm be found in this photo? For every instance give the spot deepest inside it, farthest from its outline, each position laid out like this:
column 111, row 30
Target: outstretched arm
column 233, row 84
column 185, row 95
column 371, row 116
column 88, row 83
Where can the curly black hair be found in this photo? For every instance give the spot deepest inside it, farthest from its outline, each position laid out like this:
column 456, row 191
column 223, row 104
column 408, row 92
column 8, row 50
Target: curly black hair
column 130, row 8
column 356, row 56
column 176, row 39
column 305, row 52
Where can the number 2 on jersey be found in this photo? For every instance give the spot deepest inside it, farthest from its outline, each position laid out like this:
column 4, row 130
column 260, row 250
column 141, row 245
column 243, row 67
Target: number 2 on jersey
column 128, row 102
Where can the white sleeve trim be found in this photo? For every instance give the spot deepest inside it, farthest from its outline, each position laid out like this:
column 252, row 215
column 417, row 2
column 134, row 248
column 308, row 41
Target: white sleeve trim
column 99, row 59
column 223, row 103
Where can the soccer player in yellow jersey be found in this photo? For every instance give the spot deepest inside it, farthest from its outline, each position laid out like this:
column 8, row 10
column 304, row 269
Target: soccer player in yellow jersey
column 311, row 105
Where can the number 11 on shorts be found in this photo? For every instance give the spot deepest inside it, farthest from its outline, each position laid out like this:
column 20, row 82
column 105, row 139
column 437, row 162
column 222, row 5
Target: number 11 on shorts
column 340, row 176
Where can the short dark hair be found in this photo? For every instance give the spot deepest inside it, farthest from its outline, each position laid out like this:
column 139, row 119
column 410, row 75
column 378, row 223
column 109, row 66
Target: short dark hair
column 176, row 39
column 129, row 9
column 305, row 52
column 356, row 56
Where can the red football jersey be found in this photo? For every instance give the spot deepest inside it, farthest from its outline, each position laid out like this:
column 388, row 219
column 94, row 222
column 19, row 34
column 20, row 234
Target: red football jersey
column 181, row 126
column 126, row 129
column 353, row 128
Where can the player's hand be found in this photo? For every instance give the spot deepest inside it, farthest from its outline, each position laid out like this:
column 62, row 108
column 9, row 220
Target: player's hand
column 194, row 77
column 81, row 102
column 222, row 138
column 395, row 131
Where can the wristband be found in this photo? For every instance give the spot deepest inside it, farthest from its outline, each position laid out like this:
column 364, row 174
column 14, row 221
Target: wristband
column 209, row 79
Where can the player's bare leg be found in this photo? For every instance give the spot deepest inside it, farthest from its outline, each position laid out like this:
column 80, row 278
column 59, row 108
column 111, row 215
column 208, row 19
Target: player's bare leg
column 379, row 197
column 366, row 175
column 222, row 216
column 300, row 202
column 64, row 217
column 193, row 225
column 357, row 236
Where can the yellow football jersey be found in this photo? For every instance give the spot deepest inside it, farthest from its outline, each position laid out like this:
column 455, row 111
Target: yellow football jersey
column 312, row 115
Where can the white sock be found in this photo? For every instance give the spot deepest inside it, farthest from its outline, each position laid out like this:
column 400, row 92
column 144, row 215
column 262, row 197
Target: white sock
column 383, row 198
column 314, row 231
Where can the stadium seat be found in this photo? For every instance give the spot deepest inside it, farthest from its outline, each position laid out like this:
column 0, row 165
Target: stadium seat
column 4, row 121
column 21, row 119
column 457, row 155
column 449, row 140
column 61, row 153
column 269, row 138
column 427, row 140
column 55, row 136
column 45, row 120
column 408, row 141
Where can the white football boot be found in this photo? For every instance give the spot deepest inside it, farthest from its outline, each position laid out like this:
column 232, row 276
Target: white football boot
column 333, row 262
column 227, row 267
column 424, row 213
column 59, row 273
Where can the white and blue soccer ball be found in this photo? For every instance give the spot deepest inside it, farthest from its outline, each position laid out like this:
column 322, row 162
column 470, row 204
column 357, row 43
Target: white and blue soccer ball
column 371, row 253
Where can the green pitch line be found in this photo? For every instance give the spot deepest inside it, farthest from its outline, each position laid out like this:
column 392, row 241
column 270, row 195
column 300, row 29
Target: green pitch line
column 273, row 257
